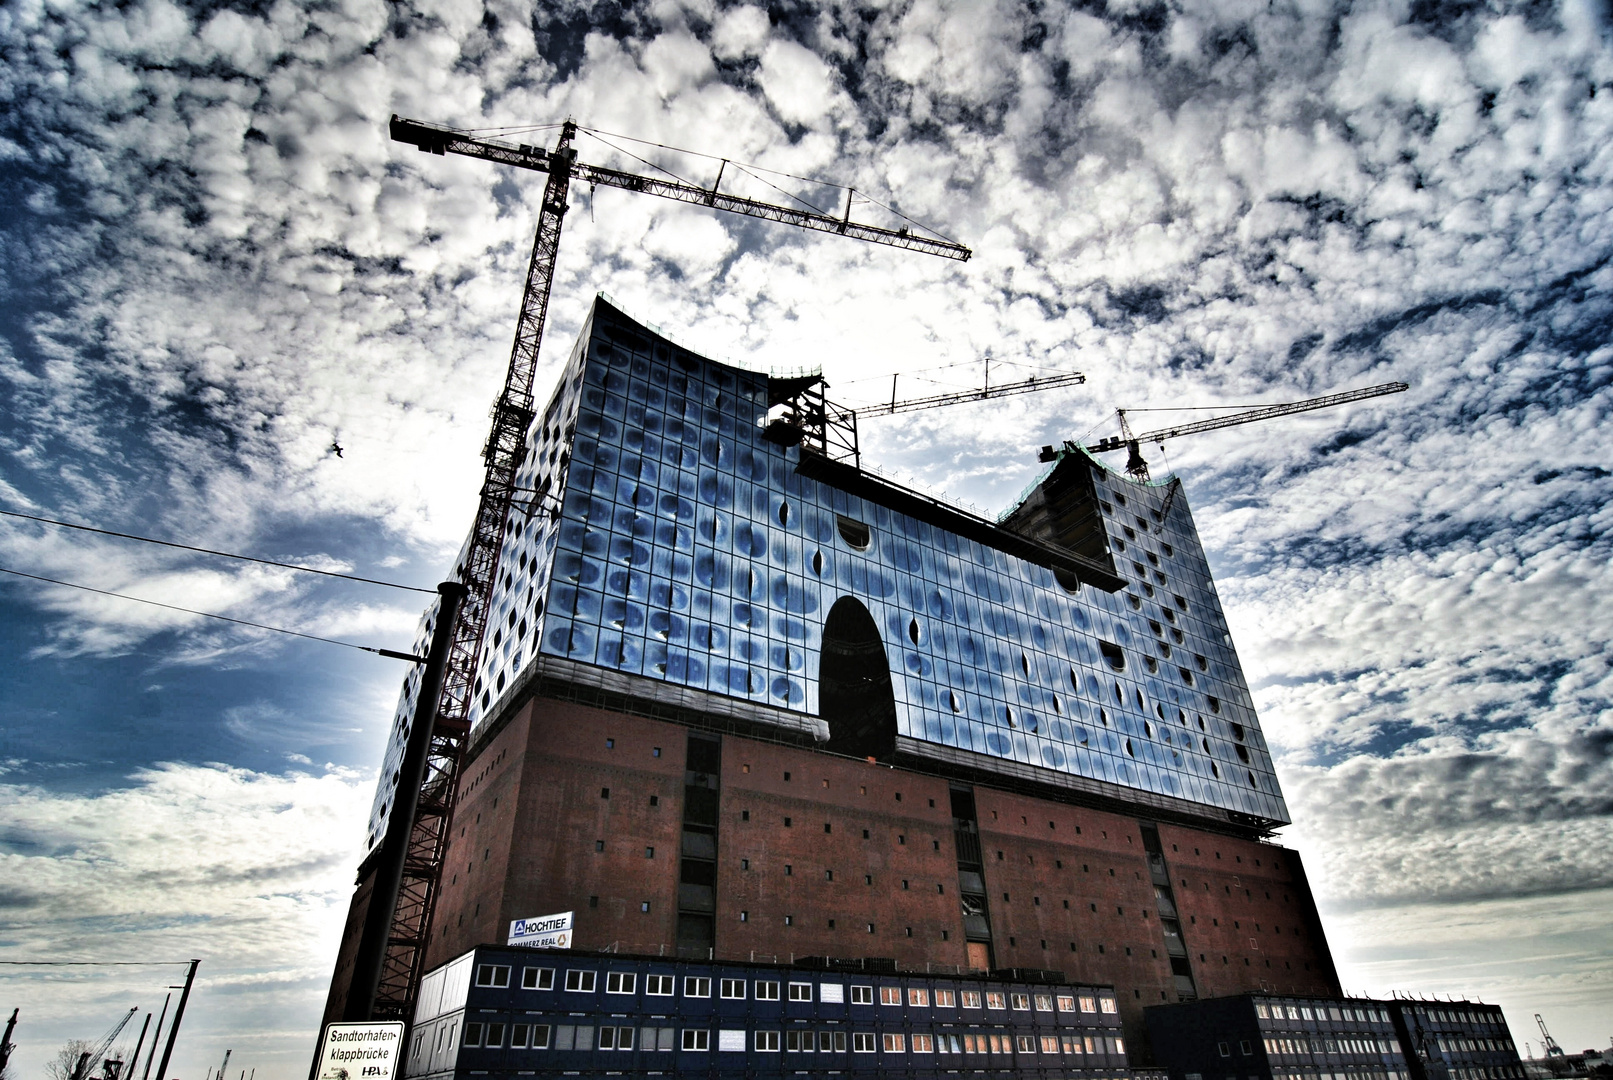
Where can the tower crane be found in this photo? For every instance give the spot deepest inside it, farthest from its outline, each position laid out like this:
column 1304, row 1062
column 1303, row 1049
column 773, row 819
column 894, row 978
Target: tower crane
column 799, row 414
column 1132, row 443
column 89, row 1059
column 1551, row 1047
column 987, row 393
column 410, row 867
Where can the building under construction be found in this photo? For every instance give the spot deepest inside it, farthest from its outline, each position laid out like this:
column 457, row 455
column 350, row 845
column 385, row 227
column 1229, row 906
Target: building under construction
column 739, row 701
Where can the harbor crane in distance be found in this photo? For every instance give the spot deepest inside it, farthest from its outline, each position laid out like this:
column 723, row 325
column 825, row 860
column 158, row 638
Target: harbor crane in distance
column 6, row 1045
column 1551, row 1047
column 1132, row 443
column 89, row 1059
column 408, row 871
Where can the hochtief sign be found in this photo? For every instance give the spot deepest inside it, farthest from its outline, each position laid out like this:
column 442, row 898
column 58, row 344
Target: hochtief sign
column 543, row 932
column 360, row 1051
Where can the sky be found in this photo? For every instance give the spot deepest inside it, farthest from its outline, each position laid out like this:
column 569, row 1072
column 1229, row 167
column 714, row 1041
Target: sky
column 214, row 266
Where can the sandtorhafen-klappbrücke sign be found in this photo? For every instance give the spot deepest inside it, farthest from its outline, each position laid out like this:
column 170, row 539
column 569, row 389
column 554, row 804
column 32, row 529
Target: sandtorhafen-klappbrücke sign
column 367, row 1051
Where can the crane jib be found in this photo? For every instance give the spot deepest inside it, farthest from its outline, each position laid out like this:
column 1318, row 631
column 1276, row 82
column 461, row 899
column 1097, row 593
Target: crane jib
column 1265, row 412
column 436, row 140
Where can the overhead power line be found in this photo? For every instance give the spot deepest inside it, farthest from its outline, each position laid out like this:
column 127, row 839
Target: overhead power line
column 210, row 551
column 222, row 618
column 94, row 963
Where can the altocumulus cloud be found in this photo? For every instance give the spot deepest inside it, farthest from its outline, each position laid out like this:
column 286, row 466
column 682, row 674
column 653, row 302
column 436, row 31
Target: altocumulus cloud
column 250, row 872
column 223, row 262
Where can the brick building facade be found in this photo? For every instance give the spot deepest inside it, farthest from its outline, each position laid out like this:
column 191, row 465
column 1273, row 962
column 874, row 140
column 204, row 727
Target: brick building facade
column 743, row 701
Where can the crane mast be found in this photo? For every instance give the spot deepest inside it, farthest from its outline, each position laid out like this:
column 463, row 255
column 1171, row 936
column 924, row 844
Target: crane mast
column 421, row 873
column 402, row 957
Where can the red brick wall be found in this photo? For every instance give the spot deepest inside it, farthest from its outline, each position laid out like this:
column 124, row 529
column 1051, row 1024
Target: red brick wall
column 1248, row 913
column 1095, row 863
column 907, row 820
column 531, row 815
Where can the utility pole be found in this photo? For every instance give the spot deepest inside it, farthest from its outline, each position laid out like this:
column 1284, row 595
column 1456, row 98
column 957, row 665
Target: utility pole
column 134, row 1058
column 179, row 1014
column 370, row 959
column 151, row 1055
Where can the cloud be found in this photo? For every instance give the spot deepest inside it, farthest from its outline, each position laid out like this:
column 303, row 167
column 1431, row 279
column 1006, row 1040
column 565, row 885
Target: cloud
column 1532, row 954
column 739, row 31
column 797, row 82
column 216, row 265
column 250, row 872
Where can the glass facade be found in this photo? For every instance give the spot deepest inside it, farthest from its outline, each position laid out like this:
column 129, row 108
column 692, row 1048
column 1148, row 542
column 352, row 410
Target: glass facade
column 665, row 539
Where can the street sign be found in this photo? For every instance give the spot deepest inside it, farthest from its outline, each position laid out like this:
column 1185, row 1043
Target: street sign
column 361, row 1051
column 543, row 932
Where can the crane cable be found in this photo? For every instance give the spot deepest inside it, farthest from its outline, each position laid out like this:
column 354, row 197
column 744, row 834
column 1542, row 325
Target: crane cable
column 751, row 170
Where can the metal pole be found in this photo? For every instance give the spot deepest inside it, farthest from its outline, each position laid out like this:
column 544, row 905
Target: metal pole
column 134, row 1059
column 179, row 1014
column 371, row 954
column 155, row 1035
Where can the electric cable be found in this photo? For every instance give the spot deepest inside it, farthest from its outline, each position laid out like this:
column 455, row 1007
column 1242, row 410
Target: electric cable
column 816, row 209
column 222, row 618
column 507, row 129
column 221, row 554
column 95, row 963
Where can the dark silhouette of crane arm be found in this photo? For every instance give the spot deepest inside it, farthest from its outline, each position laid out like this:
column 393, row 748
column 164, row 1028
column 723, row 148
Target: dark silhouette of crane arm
column 1127, row 440
column 439, row 140
column 88, row 1060
column 1267, row 412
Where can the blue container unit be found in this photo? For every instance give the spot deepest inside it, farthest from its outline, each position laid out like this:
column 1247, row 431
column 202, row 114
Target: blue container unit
column 500, row 1011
